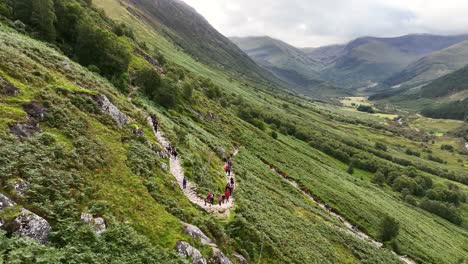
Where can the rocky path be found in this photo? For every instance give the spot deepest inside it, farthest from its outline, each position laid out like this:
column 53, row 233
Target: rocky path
column 349, row 227
column 190, row 191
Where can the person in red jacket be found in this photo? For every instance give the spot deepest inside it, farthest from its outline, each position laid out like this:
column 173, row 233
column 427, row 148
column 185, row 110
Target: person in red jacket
column 227, row 169
column 227, row 194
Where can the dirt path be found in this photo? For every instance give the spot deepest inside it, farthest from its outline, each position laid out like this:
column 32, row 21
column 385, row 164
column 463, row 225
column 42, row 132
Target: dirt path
column 190, row 191
column 349, row 227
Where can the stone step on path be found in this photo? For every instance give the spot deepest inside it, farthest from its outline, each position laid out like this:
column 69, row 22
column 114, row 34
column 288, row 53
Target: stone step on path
column 349, row 227
column 190, row 191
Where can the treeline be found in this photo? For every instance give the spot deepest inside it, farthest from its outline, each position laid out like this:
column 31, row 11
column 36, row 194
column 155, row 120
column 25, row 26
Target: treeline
column 80, row 31
column 454, row 110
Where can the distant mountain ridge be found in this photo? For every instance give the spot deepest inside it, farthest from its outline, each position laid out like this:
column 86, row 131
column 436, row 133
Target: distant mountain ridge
column 365, row 61
column 288, row 63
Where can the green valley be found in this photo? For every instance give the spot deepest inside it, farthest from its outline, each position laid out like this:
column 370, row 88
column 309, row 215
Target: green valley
column 82, row 81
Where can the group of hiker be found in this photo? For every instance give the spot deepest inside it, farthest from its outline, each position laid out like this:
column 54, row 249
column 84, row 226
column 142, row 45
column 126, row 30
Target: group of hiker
column 222, row 198
column 228, row 190
column 172, row 151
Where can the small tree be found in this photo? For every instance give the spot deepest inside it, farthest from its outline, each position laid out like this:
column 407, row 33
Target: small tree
column 389, row 229
column 274, row 135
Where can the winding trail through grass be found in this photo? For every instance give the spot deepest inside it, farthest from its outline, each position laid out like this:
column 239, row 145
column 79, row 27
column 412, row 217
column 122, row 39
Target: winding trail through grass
column 349, row 227
column 190, row 191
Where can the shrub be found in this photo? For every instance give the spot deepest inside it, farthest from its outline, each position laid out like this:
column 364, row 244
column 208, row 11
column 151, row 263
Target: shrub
column 389, row 229
column 381, row 146
column 366, row 108
column 447, row 147
column 274, row 135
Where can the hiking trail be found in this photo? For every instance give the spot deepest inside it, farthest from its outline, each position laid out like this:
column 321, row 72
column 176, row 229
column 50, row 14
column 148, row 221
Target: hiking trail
column 190, row 191
column 349, row 227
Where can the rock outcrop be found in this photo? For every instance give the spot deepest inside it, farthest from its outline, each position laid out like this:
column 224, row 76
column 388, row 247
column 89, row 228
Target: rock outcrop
column 195, row 232
column 35, row 110
column 7, row 88
column 97, row 224
column 219, row 257
column 240, row 258
column 25, row 223
column 25, row 129
column 107, row 107
column 20, row 187
column 184, row 249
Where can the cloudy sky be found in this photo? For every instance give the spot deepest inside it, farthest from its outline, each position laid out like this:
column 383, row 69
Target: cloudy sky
column 311, row 23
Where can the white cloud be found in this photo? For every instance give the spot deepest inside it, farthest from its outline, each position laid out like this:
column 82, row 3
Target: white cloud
column 317, row 22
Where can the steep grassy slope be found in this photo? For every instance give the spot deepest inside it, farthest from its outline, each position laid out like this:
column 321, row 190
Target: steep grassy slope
column 433, row 66
column 184, row 26
column 289, row 64
column 85, row 143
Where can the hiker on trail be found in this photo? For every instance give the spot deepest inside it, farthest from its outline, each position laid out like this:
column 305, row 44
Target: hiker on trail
column 227, row 169
column 229, row 162
column 184, row 183
column 209, row 199
column 227, row 194
column 221, row 199
column 228, row 188
column 174, row 153
column 232, row 182
column 154, row 120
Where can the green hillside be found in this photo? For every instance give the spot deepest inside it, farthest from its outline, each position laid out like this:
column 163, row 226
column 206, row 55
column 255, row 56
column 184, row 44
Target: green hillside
column 182, row 25
column 78, row 153
column 433, row 66
column 447, row 85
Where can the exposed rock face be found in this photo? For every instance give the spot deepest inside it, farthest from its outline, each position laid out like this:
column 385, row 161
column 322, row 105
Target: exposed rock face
column 107, row 107
column 195, row 232
column 26, row 224
column 241, row 258
column 20, row 187
column 7, row 88
column 35, row 110
column 184, row 249
column 219, row 258
column 33, row 226
column 26, row 129
column 98, row 224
